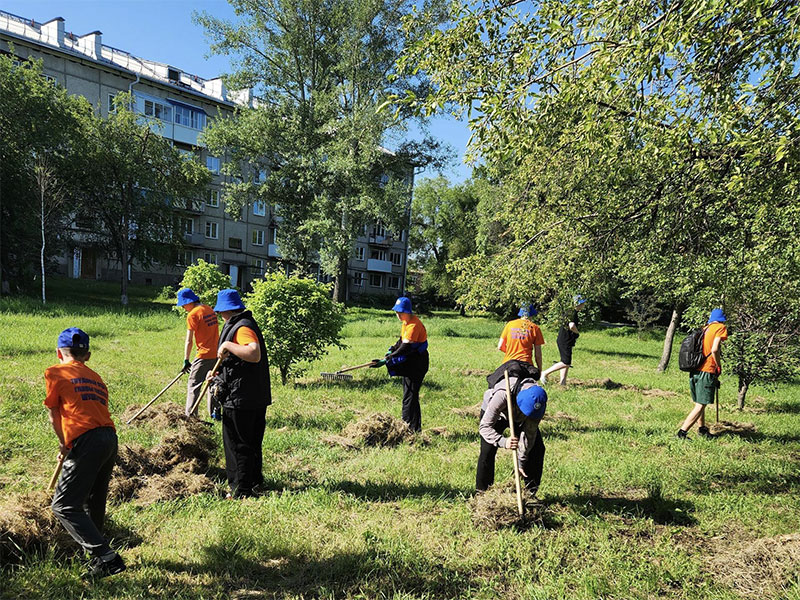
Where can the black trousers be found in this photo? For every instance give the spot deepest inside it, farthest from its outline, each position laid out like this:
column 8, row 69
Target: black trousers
column 242, row 436
column 412, row 413
column 532, row 466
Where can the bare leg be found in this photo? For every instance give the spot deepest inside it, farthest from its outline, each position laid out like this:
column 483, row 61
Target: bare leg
column 697, row 412
column 563, row 380
column 556, row 367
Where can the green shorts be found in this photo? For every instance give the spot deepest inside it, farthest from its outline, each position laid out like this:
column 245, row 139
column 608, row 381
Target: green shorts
column 703, row 387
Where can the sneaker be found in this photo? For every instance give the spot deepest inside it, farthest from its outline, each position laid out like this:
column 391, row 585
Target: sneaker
column 704, row 432
column 99, row 568
column 681, row 435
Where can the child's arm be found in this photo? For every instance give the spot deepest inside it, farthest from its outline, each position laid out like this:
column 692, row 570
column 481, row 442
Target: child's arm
column 537, row 356
column 187, row 351
column 55, row 421
column 249, row 353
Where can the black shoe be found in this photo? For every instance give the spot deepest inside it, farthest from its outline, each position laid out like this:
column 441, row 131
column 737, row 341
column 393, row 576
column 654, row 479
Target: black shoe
column 99, row 568
column 681, row 435
column 704, row 432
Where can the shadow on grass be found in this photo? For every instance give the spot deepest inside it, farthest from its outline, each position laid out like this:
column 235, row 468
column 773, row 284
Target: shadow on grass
column 620, row 353
column 749, row 482
column 329, row 422
column 363, row 384
column 120, row 535
column 369, row 490
column 651, row 505
column 788, row 408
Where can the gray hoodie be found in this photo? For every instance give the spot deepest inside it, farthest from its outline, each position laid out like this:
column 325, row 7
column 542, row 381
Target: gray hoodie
column 495, row 407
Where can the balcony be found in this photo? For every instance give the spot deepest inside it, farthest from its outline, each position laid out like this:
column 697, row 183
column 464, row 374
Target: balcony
column 273, row 252
column 193, row 206
column 381, row 240
column 379, row 266
column 194, row 239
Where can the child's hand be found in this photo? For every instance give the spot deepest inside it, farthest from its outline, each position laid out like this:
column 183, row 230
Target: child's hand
column 523, row 473
column 223, row 351
column 512, row 443
column 62, row 450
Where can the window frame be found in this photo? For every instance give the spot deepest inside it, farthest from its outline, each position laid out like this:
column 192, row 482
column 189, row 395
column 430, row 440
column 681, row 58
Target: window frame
column 263, row 205
column 214, row 225
column 380, row 279
column 255, row 236
column 216, row 170
column 213, row 193
column 389, row 282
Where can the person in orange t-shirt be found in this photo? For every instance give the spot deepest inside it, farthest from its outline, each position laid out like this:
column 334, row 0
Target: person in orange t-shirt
column 522, row 339
column 202, row 328
column 77, row 403
column 704, row 382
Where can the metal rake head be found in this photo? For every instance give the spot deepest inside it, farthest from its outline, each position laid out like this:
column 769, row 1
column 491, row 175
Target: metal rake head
column 336, row 376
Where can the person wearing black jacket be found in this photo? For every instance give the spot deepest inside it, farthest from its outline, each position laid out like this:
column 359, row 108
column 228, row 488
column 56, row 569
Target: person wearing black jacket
column 408, row 358
column 244, row 392
column 565, row 341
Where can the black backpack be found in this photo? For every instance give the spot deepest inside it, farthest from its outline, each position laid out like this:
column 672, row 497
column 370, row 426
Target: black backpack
column 691, row 357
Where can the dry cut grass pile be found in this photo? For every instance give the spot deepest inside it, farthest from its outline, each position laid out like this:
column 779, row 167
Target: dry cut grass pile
column 761, row 569
column 177, row 467
column 733, row 428
column 496, row 508
column 28, row 524
column 376, row 429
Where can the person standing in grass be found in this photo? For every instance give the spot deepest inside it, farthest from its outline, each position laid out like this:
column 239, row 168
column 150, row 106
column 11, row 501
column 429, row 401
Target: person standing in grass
column 77, row 403
column 529, row 408
column 408, row 358
column 202, row 328
column 567, row 335
column 704, row 382
column 244, row 392
column 522, row 339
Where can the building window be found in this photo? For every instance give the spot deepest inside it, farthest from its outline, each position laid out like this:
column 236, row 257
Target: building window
column 260, row 208
column 378, row 230
column 157, row 110
column 213, row 198
column 185, row 258
column 111, row 107
column 210, row 257
column 258, row 237
column 187, row 225
column 273, row 235
column 396, row 258
column 213, row 164
column 358, row 279
column 360, row 253
column 258, row 266
column 212, row 230
column 235, row 243
column 376, row 254
column 376, row 280
column 196, row 119
column 260, row 176
column 49, row 78
column 394, row 282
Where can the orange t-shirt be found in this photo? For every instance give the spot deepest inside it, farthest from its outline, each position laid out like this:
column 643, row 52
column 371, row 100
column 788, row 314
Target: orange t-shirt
column 518, row 339
column 245, row 335
column 81, row 397
column 715, row 330
column 414, row 331
column 202, row 320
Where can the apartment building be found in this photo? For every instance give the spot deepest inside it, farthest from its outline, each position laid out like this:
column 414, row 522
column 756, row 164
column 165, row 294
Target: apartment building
column 183, row 104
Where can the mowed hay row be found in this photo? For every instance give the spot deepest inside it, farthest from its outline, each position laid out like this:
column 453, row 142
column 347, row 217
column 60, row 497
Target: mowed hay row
column 176, row 467
column 496, row 508
column 27, row 524
column 376, row 429
column 761, row 569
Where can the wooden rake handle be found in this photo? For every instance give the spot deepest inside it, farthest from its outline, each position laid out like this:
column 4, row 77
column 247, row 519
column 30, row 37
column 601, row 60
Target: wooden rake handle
column 157, row 396
column 57, row 472
column 520, row 507
column 205, row 386
column 346, row 369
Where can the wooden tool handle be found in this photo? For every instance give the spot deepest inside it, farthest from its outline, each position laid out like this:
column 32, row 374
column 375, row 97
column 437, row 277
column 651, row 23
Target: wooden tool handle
column 57, row 472
column 354, row 368
column 157, row 396
column 520, row 507
column 205, row 386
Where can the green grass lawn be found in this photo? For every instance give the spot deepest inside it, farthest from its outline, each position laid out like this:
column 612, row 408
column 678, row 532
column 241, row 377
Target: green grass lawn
column 629, row 511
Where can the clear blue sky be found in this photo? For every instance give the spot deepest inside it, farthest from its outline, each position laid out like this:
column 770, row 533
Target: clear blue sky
column 162, row 30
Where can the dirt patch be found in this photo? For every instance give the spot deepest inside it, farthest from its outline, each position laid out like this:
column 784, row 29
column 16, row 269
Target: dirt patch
column 760, row 569
column 496, row 508
column 471, row 412
column 176, row 467
column 28, row 524
column 732, row 428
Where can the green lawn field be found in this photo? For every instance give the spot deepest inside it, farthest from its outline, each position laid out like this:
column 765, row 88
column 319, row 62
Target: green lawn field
column 628, row 511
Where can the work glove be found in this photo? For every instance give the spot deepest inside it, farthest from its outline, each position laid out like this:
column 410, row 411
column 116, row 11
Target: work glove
column 389, row 351
column 377, row 363
column 187, row 365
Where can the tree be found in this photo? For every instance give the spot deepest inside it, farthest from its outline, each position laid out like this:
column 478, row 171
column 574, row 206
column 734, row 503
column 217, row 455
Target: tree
column 51, row 199
column 321, row 70
column 134, row 180
column 205, row 280
column 298, row 319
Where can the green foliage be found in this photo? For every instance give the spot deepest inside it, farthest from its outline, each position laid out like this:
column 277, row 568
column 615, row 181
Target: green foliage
column 298, row 319
column 205, row 280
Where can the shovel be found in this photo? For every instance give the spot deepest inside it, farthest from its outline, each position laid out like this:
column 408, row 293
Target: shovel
column 520, row 507
column 157, row 396
column 340, row 374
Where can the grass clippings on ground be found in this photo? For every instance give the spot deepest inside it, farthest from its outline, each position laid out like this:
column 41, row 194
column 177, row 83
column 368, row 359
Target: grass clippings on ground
column 761, row 569
column 27, row 524
column 471, row 412
column 733, row 428
column 496, row 508
column 379, row 429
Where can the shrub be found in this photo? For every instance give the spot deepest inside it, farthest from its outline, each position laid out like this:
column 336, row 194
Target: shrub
column 298, row 318
column 205, row 280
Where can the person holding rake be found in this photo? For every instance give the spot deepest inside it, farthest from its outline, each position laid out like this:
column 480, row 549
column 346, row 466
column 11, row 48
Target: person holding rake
column 202, row 328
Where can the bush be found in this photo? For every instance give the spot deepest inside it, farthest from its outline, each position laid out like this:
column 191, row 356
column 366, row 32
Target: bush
column 298, row 318
column 205, row 280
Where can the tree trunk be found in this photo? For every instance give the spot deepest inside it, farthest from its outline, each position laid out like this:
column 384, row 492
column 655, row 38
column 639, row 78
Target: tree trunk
column 340, row 286
column 2, row 286
column 284, row 374
column 743, row 386
column 123, row 262
column 668, row 339
column 462, row 311
column 41, row 253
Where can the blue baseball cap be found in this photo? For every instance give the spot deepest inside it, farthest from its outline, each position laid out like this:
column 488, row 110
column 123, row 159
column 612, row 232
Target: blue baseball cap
column 527, row 310
column 717, row 315
column 228, row 300
column 578, row 300
column 532, row 401
column 187, row 296
column 73, row 337
column 403, row 305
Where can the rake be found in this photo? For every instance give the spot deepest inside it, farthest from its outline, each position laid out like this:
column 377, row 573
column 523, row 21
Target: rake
column 342, row 375
column 157, row 396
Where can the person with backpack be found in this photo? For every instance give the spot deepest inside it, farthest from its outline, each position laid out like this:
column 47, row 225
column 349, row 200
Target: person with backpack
column 567, row 335
column 700, row 355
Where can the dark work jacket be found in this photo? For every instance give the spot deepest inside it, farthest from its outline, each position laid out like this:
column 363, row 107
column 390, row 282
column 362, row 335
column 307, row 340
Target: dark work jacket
column 245, row 385
column 516, row 368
